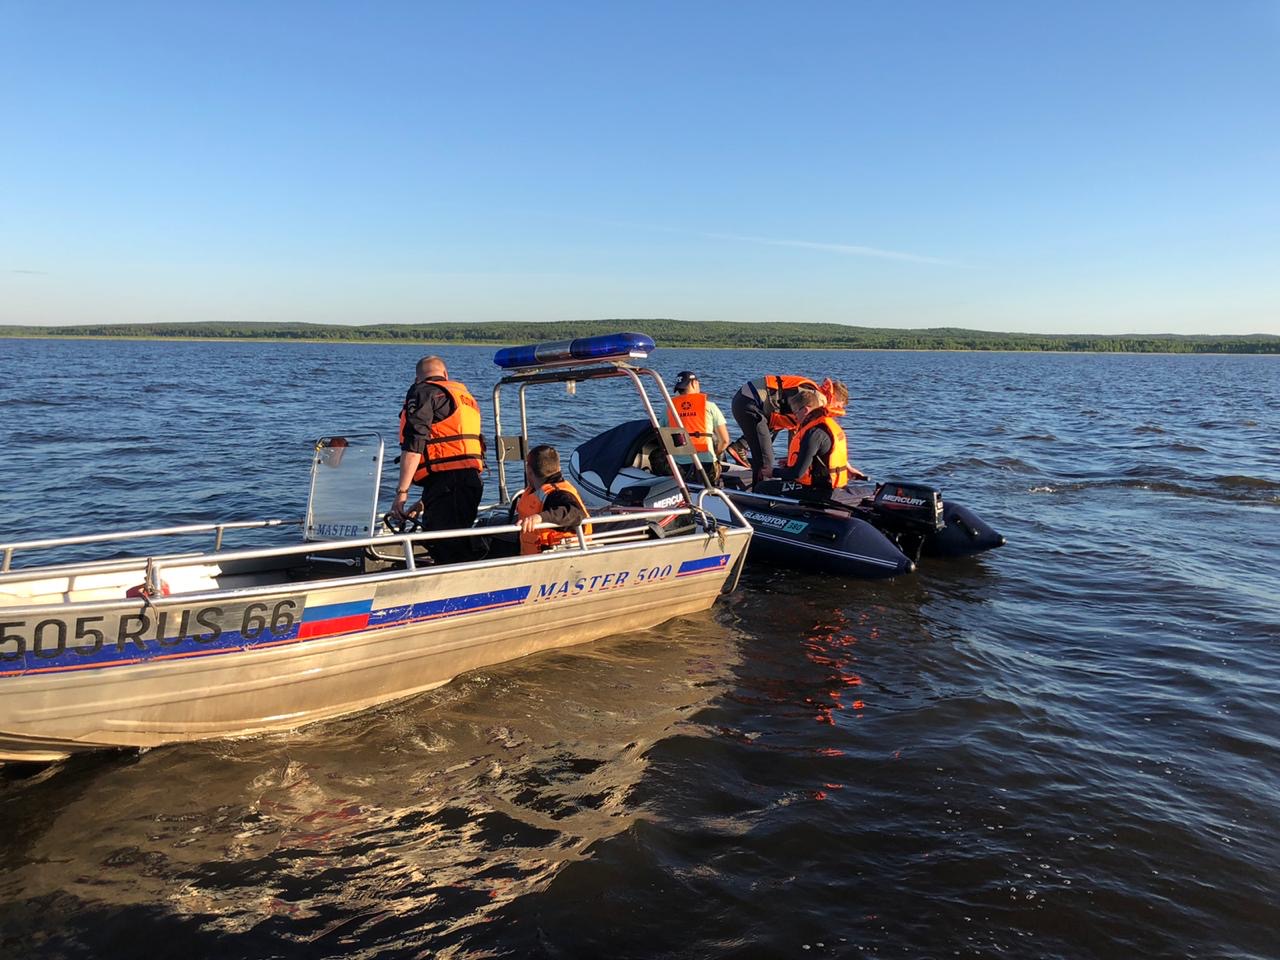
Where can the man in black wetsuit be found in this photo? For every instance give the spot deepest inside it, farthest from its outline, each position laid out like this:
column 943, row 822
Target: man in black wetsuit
column 441, row 449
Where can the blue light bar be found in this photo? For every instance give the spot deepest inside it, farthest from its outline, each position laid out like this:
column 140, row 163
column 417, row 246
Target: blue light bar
column 608, row 346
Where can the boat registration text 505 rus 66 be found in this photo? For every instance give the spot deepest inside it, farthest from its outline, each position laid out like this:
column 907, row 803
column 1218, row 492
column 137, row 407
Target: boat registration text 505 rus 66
column 866, row 530
column 174, row 643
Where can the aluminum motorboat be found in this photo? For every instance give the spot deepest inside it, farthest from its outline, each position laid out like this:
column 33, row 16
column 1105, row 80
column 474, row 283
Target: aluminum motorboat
column 175, row 643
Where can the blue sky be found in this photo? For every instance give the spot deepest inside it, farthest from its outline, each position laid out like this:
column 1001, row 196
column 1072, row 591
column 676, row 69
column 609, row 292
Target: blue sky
column 1073, row 167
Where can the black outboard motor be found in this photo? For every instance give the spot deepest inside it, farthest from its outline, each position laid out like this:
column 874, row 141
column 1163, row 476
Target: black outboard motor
column 660, row 493
column 907, row 513
column 650, row 495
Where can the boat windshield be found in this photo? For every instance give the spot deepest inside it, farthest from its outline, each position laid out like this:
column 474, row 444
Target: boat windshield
column 345, row 472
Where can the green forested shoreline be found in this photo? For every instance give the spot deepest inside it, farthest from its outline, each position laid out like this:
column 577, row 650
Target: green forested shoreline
column 675, row 333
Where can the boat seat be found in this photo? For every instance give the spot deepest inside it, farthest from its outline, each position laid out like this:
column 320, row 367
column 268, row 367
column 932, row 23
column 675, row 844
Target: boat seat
column 629, row 477
column 193, row 579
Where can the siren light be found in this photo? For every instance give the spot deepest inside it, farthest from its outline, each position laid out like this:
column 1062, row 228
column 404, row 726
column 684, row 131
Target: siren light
column 608, row 346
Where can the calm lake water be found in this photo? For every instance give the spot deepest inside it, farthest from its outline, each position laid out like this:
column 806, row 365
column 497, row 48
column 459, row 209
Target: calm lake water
column 1067, row 748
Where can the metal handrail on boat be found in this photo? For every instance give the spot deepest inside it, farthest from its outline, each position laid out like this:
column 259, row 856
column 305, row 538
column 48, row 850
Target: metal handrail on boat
column 218, row 529
column 153, row 564
column 405, row 541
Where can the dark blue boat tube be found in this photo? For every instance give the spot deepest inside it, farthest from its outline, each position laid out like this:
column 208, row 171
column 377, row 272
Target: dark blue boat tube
column 963, row 533
column 788, row 534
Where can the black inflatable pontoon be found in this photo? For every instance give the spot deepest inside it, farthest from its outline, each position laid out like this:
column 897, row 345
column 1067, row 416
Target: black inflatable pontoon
column 868, row 530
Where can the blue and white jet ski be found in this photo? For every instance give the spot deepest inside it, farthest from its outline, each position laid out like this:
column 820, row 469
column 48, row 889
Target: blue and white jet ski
column 867, row 530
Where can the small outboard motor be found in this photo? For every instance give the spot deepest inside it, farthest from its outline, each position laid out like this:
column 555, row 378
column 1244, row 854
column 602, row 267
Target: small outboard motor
column 907, row 513
column 661, row 493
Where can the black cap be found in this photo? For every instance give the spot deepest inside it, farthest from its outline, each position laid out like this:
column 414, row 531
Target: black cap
column 683, row 379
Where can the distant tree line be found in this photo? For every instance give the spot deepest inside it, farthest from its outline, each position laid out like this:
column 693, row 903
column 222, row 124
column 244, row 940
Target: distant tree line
column 676, row 333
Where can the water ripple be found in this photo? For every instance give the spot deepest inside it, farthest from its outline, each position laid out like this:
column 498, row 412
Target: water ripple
column 1065, row 748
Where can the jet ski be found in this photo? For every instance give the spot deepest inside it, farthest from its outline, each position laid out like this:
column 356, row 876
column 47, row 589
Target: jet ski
column 866, row 530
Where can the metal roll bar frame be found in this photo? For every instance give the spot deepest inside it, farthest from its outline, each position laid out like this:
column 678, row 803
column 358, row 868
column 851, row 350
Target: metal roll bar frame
column 606, row 370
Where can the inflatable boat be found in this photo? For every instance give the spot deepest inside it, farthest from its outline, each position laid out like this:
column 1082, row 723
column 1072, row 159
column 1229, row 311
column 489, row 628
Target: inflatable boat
column 867, row 530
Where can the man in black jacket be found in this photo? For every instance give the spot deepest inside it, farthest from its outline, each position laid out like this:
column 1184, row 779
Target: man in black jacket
column 442, row 450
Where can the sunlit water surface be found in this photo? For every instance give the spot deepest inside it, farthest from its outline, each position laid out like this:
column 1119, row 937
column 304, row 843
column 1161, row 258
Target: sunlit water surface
column 1066, row 748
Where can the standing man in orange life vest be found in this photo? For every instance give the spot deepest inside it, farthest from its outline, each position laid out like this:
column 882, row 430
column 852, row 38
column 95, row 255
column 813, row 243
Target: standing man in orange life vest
column 702, row 422
column 818, row 457
column 547, row 498
column 442, row 450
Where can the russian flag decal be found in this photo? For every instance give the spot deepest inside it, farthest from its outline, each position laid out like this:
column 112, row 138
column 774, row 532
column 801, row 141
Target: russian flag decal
column 331, row 618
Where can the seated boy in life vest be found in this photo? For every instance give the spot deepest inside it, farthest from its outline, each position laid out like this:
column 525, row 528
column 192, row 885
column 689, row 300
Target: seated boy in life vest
column 818, row 458
column 547, row 498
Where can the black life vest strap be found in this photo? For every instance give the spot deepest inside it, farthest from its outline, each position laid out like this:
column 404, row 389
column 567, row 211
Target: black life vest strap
column 461, row 456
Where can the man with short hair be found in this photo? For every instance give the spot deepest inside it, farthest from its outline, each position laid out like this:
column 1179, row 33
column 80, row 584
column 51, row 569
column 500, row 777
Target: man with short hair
column 704, row 424
column 547, row 498
column 442, row 450
column 818, row 457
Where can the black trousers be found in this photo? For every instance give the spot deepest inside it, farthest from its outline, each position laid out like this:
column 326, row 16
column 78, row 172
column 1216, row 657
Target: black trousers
column 450, row 500
column 749, row 415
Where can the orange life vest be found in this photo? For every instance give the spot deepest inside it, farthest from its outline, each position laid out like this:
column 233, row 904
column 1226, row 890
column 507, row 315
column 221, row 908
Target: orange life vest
column 774, row 392
column 530, row 503
column 836, row 468
column 692, row 408
column 454, row 442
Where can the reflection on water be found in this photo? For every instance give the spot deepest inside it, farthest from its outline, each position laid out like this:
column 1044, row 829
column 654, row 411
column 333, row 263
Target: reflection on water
column 399, row 826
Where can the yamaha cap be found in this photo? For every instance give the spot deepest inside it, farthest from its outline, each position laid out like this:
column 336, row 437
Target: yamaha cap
column 683, row 379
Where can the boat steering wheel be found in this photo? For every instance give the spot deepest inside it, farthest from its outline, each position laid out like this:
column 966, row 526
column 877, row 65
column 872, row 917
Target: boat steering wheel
column 402, row 525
